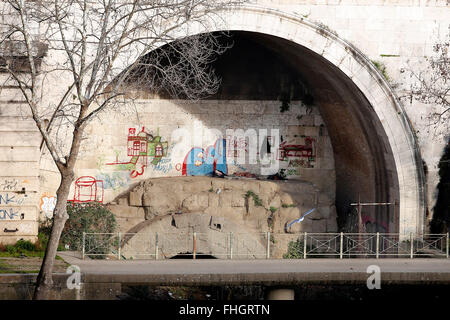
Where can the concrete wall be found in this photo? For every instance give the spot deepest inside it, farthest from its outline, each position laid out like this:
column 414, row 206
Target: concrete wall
column 19, row 166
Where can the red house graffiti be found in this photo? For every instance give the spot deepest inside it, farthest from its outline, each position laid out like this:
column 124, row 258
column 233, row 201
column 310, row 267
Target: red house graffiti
column 140, row 146
column 297, row 150
column 88, row 189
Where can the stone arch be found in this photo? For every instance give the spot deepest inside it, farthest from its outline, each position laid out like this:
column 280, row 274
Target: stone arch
column 175, row 237
column 388, row 154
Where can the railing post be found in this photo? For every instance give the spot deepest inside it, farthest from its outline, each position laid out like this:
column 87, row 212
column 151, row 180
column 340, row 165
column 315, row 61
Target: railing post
column 341, row 247
column 156, row 246
column 230, row 244
column 304, row 244
column 412, row 245
column 447, row 247
column 378, row 245
column 268, row 246
column 194, row 243
column 84, row 244
column 118, row 249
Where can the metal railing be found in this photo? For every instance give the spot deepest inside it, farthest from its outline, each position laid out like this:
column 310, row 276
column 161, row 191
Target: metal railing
column 263, row 245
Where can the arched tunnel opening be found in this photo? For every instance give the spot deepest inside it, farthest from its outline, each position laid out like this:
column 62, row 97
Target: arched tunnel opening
column 260, row 66
column 361, row 167
column 190, row 255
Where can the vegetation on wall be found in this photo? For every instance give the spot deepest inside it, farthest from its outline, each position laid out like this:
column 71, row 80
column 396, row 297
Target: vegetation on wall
column 256, row 199
column 382, row 68
column 295, row 250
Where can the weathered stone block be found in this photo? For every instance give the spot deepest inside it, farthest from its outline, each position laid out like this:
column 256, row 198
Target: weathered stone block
column 225, row 198
column 123, row 201
column 275, row 202
column 332, row 225
column 322, row 213
column 217, row 183
column 136, row 197
column 213, row 199
column 267, row 188
column 319, row 225
column 217, row 223
column 195, row 202
column 237, row 198
column 286, row 199
column 123, row 211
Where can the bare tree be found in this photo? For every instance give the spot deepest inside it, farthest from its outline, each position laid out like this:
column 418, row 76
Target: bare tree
column 81, row 47
column 432, row 85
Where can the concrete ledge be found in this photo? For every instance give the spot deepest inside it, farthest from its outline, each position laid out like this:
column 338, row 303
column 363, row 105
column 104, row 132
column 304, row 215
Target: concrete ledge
column 268, row 279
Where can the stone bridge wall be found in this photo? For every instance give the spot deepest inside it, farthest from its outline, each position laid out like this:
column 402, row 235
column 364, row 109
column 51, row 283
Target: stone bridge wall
column 399, row 33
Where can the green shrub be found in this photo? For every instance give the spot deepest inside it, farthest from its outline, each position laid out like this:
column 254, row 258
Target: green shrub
column 295, row 250
column 21, row 247
column 25, row 245
column 89, row 218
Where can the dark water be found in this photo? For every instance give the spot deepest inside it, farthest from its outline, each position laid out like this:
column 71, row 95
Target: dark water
column 302, row 292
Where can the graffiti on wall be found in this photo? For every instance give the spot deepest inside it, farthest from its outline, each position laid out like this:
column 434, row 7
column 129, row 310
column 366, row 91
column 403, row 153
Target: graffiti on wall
column 88, row 189
column 201, row 162
column 298, row 154
column 11, row 214
column 47, row 205
column 11, row 199
column 115, row 180
column 236, row 146
column 8, row 198
column 9, row 184
column 140, row 147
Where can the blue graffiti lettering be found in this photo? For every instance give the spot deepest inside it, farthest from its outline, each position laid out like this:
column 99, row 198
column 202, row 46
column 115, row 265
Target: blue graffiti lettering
column 4, row 214
column 163, row 167
column 114, row 181
column 5, row 199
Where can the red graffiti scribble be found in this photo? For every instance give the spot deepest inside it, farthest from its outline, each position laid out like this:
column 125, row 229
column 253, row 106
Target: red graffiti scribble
column 235, row 146
column 88, row 189
column 135, row 173
column 297, row 150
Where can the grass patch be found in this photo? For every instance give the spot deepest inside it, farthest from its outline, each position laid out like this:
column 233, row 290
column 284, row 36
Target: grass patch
column 284, row 205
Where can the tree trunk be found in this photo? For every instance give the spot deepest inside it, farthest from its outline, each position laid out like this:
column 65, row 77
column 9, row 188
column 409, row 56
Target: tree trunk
column 44, row 281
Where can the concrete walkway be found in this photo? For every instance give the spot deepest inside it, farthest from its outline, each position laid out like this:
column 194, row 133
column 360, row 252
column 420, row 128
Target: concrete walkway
column 208, row 272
